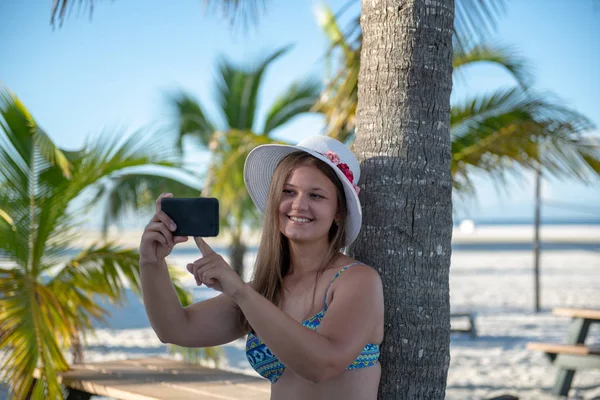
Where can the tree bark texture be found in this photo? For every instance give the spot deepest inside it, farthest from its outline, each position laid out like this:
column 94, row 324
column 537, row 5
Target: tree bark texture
column 403, row 145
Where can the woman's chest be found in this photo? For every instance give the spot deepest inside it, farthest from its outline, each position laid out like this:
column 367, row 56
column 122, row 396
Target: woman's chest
column 302, row 301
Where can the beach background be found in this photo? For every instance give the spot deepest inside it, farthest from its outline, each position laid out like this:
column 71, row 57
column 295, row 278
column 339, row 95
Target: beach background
column 491, row 275
column 114, row 71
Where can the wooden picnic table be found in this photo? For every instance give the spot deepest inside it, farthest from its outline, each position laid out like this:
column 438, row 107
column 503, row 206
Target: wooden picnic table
column 574, row 354
column 159, row 378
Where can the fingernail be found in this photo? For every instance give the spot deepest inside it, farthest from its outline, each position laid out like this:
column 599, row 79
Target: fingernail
column 173, row 227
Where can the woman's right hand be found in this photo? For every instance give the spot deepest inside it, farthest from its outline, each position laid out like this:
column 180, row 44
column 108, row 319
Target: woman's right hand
column 158, row 240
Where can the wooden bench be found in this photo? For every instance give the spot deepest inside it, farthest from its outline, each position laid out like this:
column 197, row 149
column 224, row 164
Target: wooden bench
column 470, row 318
column 574, row 354
column 554, row 350
column 159, row 378
column 577, row 313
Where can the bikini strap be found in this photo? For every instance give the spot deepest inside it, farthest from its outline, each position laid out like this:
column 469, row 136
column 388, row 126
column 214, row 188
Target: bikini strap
column 335, row 277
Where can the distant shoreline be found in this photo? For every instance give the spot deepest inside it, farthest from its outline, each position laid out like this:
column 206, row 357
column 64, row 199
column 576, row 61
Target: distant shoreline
column 474, row 237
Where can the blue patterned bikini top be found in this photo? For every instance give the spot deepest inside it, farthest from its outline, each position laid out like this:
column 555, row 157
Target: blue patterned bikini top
column 268, row 366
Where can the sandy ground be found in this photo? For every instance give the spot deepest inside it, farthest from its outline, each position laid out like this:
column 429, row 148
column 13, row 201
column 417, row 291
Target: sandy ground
column 496, row 285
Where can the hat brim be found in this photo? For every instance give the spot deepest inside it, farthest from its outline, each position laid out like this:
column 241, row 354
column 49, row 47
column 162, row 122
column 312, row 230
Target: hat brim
column 258, row 173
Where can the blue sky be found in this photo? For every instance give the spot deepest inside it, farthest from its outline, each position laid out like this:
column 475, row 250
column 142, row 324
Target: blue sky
column 115, row 71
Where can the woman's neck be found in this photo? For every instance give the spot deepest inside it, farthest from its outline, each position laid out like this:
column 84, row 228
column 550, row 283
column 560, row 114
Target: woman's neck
column 307, row 258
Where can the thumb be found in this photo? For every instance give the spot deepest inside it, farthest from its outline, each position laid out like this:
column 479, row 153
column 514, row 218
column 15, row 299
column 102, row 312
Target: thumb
column 203, row 246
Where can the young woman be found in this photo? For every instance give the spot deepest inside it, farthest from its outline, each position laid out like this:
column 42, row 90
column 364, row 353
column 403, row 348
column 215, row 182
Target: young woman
column 313, row 316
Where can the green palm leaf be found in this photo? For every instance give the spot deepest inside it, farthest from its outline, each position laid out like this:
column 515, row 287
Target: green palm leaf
column 491, row 132
column 299, row 98
column 48, row 297
column 237, row 11
column 475, row 21
column 238, row 88
column 497, row 131
column 498, row 55
column 191, row 120
column 227, row 178
column 338, row 100
column 138, row 191
column 238, row 91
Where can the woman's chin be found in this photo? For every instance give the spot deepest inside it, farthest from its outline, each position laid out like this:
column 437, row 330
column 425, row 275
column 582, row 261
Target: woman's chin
column 301, row 237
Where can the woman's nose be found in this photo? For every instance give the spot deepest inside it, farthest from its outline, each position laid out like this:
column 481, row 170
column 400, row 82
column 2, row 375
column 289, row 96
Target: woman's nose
column 300, row 203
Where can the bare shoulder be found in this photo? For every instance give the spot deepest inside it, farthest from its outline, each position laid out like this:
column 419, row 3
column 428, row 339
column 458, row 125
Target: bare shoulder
column 362, row 275
column 359, row 287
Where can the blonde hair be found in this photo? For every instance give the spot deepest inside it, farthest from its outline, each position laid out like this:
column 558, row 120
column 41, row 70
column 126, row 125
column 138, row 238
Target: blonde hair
column 273, row 256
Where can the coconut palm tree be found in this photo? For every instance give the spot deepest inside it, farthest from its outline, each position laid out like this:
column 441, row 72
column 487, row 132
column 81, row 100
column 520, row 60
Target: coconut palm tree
column 491, row 132
column 412, row 153
column 48, row 286
column 403, row 146
column 238, row 92
column 238, row 89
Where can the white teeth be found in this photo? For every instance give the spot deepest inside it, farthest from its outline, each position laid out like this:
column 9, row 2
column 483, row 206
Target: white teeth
column 299, row 219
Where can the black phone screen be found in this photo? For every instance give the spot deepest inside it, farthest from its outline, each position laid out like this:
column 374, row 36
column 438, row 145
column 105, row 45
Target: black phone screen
column 193, row 216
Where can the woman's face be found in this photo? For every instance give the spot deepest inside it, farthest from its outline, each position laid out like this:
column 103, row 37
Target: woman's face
column 308, row 205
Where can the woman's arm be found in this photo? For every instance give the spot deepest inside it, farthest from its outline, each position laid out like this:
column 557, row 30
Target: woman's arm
column 354, row 312
column 207, row 323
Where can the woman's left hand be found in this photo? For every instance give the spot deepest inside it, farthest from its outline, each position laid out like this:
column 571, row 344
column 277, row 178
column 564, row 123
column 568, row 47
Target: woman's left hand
column 214, row 272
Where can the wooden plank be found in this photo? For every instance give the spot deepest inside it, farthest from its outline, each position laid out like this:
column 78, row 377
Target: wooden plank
column 580, row 350
column 590, row 314
column 576, row 362
column 470, row 320
column 160, row 379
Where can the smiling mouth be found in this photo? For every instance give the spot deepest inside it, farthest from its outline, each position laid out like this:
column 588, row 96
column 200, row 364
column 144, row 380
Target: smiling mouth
column 300, row 220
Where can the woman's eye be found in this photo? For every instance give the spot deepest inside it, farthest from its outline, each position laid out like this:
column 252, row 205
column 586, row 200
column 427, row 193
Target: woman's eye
column 286, row 191
column 317, row 196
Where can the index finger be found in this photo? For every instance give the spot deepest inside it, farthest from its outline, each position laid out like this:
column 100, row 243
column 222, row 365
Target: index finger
column 203, row 246
column 159, row 200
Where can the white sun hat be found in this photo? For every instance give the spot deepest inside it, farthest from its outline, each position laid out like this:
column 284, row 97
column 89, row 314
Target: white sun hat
column 262, row 161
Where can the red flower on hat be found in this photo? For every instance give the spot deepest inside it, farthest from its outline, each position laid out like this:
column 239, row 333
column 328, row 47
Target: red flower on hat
column 346, row 171
column 335, row 159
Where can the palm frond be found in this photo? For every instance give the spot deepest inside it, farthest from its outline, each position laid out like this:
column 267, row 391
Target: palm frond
column 227, row 178
column 33, row 326
column 238, row 90
column 501, row 56
column 6, row 218
column 191, row 119
column 238, row 12
column 101, row 269
column 241, row 12
column 138, row 191
column 495, row 132
column 339, row 99
column 25, row 150
column 475, row 21
column 299, row 98
column 326, row 19
column 60, row 8
column 41, row 313
column 515, row 103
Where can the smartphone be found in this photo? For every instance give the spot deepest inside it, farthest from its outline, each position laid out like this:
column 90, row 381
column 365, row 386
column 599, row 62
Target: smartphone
column 193, row 216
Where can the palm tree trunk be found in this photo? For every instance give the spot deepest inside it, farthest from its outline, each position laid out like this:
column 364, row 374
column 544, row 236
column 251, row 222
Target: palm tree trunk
column 76, row 349
column 237, row 250
column 403, row 144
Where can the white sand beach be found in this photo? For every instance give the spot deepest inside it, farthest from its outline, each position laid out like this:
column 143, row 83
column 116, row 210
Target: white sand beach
column 497, row 285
